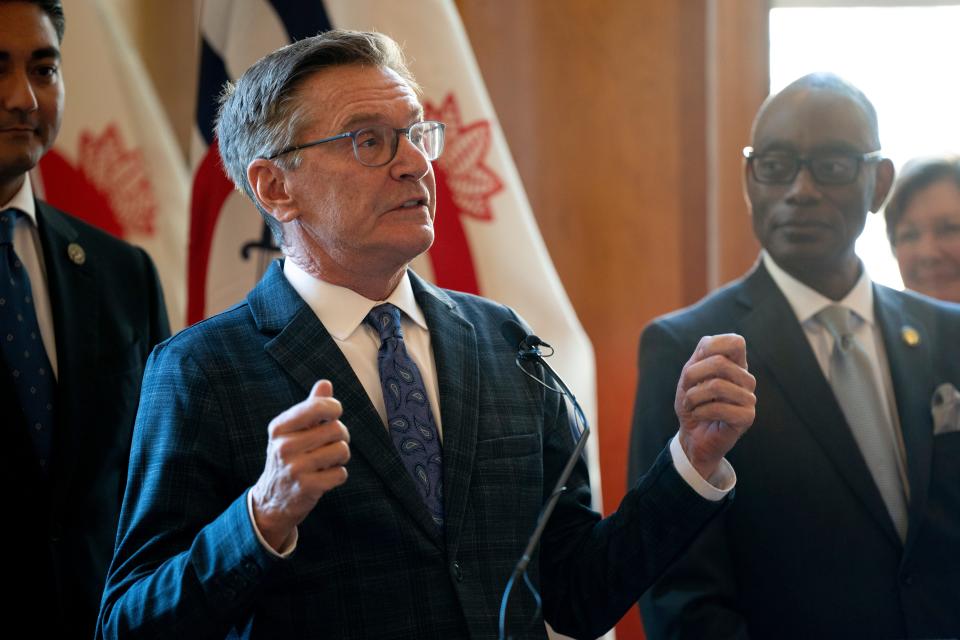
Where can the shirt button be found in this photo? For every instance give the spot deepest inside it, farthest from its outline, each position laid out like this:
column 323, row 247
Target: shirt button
column 457, row 572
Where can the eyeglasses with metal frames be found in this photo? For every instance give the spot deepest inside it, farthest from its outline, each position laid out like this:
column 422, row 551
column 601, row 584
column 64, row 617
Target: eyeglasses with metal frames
column 376, row 146
column 828, row 168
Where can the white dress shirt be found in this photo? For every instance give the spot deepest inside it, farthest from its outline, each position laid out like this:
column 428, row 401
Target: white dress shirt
column 807, row 303
column 26, row 244
column 342, row 312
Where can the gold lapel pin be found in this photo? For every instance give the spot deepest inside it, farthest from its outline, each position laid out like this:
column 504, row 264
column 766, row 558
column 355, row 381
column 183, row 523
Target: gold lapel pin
column 76, row 253
column 910, row 335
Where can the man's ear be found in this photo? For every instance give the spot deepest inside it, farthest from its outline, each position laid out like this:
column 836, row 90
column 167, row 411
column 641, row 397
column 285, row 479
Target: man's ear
column 744, row 181
column 269, row 185
column 884, row 181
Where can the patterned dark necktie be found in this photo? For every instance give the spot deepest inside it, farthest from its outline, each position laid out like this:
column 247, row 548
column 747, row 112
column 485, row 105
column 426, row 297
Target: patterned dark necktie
column 23, row 351
column 409, row 418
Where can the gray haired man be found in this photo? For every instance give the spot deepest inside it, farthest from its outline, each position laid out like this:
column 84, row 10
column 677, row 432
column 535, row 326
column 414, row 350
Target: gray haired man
column 351, row 452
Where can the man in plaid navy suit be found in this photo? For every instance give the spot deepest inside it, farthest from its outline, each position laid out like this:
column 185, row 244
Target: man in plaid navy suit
column 253, row 512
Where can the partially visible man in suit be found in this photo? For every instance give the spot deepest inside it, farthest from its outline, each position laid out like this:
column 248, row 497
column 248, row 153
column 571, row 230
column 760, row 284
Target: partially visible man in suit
column 253, row 511
column 847, row 519
column 79, row 313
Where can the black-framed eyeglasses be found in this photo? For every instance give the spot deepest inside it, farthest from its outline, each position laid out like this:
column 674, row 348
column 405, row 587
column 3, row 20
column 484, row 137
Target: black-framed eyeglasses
column 827, row 168
column 376, row 146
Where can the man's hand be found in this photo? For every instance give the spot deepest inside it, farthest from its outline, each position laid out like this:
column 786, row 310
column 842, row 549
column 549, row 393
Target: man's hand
column 306, row 457
column 715, row 402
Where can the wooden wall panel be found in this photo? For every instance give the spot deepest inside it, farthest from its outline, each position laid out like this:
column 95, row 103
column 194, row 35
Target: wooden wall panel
column 738, row 80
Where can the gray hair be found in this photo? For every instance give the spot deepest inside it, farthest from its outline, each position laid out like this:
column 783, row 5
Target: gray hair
column 261, row 113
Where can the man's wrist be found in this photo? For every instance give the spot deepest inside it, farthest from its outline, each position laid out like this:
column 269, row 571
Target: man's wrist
column 713, row 487
column 705, row 468
column 283, row 548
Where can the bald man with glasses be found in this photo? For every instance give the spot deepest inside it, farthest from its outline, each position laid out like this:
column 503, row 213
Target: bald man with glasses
column 847, row 518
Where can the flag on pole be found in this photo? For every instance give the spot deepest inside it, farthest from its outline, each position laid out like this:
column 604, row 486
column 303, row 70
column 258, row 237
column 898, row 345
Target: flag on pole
column 487, row 241
column 115, row 163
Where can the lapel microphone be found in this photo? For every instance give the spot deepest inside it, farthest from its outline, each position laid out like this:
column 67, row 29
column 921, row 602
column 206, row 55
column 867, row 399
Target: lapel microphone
column 528, row 345
column 528, row 350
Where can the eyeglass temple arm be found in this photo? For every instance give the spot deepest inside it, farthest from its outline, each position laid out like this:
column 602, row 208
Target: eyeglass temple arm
column 307, row 145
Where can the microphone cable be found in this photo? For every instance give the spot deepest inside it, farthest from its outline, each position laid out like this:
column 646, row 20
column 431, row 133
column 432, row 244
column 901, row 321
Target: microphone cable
column 528, row 350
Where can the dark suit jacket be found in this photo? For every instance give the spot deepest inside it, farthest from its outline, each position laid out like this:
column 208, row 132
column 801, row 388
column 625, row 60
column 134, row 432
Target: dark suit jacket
column 369, row 562
column 60, row 527
column 808, row 549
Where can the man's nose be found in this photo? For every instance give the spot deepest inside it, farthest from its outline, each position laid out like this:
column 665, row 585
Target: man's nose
column 17, row 93
column 410, row 162
column 804, row 188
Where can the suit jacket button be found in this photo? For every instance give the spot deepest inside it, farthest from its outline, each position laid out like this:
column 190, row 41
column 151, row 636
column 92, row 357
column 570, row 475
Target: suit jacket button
column 250, row 568
column 457, row 572
column 907, row 579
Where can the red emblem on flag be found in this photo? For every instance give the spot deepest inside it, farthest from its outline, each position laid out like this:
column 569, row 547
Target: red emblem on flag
column 108, row 187
column 465, row 186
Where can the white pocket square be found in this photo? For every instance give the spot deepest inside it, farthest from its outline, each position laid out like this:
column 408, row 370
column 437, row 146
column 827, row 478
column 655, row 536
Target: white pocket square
column 945, row 407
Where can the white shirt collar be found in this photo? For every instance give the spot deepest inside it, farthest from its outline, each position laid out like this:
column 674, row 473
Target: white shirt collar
column 342, row 310
column 806, row 302
column 23, row 200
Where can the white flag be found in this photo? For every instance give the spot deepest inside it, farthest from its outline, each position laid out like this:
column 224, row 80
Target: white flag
column 115, row 163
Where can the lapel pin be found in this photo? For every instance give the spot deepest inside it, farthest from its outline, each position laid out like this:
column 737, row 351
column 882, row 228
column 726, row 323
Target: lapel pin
column 76, row 253
column 910, row 335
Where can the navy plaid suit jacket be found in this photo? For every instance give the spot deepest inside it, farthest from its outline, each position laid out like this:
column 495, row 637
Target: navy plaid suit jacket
column 369, row 562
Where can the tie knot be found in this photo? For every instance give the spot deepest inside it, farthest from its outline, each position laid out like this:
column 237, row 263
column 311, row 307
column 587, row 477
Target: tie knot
column 385, row 320
column 8, row 218
column 839, row 322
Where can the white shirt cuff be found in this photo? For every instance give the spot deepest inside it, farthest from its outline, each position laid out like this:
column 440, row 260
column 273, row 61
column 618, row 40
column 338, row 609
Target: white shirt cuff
column 714, row 488
column 283, row 552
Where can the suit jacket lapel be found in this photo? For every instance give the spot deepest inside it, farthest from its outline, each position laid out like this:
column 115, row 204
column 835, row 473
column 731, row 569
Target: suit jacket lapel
column 305, row 350
column 454, row 344
column 73, row 293
column 913, row 384
column 771, row 329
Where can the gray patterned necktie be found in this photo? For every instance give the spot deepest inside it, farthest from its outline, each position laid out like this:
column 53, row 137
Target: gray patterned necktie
column 409, row 418
column 22, row 347
column 851, row 377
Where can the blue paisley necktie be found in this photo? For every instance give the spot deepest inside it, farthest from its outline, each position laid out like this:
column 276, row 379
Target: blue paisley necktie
column 409, row 418
column 23, row 350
